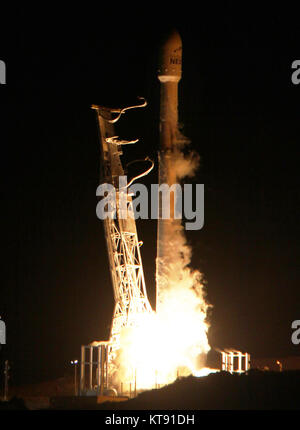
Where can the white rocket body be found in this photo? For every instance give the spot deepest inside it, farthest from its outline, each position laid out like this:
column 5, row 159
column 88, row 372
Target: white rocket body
column 169, row 75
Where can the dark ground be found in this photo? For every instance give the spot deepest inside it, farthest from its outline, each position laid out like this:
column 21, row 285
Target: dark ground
column 256, row 390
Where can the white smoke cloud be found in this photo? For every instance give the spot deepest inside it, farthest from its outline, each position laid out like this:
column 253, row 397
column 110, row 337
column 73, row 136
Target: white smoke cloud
column 185, row 165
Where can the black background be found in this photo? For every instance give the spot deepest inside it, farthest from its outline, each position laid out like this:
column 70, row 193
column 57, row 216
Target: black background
column 240, row 109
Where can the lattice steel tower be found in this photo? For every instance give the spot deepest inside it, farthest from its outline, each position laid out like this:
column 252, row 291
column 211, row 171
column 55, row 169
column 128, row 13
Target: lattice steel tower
column 123, row 246
column 121, row 235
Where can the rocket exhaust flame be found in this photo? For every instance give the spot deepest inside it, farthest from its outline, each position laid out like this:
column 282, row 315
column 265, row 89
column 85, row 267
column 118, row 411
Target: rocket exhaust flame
column 173, row 341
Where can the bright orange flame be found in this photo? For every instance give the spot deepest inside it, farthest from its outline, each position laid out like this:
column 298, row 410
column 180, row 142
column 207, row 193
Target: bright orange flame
column 161, row 346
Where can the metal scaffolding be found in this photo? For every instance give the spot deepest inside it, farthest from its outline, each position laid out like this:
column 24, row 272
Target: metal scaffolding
column 235, row 361
column 123, row 249
column 94, row 368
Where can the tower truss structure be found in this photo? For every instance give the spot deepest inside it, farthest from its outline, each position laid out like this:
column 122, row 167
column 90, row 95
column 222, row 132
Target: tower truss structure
column 122, row 242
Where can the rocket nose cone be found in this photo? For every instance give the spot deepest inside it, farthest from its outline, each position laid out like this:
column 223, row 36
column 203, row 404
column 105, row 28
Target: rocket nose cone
column 172, row 40
column 170, row 57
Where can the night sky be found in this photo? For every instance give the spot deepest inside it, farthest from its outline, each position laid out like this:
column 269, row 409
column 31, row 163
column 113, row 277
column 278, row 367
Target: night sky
column 240, row 109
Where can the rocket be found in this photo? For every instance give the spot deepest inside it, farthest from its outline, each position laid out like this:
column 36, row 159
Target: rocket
column 169, row 75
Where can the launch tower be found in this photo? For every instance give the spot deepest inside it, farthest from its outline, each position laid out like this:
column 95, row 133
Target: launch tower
column 124, row 256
